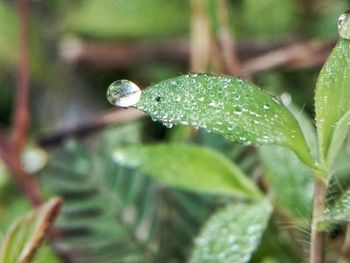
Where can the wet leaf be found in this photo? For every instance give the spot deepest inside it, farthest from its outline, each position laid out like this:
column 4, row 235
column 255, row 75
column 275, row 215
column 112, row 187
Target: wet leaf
column 232, row 234
column 333, row 101
column 189, row 167
column 27, row 233
column 228, row 106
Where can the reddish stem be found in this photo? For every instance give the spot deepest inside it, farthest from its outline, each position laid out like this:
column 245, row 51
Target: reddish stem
column 21, row 116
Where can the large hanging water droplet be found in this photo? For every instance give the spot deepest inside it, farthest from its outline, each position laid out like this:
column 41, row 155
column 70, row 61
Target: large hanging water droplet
column 123, row 93
column 344, row 25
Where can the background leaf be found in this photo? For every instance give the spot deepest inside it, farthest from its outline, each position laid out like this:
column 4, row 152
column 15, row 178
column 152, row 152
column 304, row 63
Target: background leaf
column 290, row 181
column 128, row 19
column 189, row 167
column 232, row 234
column 332, row 100
column 338, row 213
column 228, row 106
column 107, row 206
column 26, row 234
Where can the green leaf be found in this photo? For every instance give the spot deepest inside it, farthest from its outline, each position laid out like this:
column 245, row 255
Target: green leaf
column 338, row 213
column 228, row 106
column 290, row 180
column 232, row 234
column 338, row 137
column 111, row 206
column 189, row 167
column 332, row 101
column 27, row 233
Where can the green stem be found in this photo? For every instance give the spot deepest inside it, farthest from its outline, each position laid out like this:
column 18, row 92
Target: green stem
column 317, row 246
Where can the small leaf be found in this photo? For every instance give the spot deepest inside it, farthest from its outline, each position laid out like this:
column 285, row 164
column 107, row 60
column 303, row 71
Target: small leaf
column 332, row 100
column 339, row 135
column 27, row 233
column 338, row 213
column 227, row 106
column 232, row 234
column 189, row 167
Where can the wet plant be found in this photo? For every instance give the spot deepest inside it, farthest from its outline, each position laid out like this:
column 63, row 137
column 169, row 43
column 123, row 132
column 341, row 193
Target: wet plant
column 240, row 111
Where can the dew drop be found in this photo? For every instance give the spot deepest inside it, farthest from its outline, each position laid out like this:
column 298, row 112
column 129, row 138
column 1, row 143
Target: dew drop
column 212, row 104
column 266, row 106
column 238, row 111
column 123, row 93
column 168, row 124
column 344, row 25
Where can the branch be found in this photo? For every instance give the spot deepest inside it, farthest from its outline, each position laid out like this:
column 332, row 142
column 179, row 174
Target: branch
column 93, row 124
column 296, row 56
column 26, row 182
column 120, row 55
column 200, row 42
column 11, row 151
column 227, row 43
column 254, row 58
column 21, row 116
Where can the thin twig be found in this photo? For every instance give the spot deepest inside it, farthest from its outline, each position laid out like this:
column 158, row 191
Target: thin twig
column 11, row 151
column 227, row 43
column 91, row 125
column 254, row 57
column 346, row 244
column 200, row 36
column 122, row 54
column 296, row 56
column 26, row 182
column 21, row 116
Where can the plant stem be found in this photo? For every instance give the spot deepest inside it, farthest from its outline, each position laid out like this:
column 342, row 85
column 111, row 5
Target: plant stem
column 317, row 250
column 21, row 115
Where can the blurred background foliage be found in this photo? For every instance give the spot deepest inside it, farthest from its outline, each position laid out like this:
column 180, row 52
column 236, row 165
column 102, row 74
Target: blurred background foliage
column 113, row 213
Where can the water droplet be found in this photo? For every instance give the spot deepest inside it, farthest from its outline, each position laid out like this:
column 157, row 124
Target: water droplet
column 238, row 111
column 168, row 124
column 212, row 104
column 266, row 106
column 123, row 93
column 286, row 98
column 344, row 25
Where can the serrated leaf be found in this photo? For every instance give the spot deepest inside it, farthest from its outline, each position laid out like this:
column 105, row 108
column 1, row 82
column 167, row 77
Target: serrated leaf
column 338, row 213
column 189, row 167
column 228, row 106
column 332, row 100
column 27, row 233
column 232, row 234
